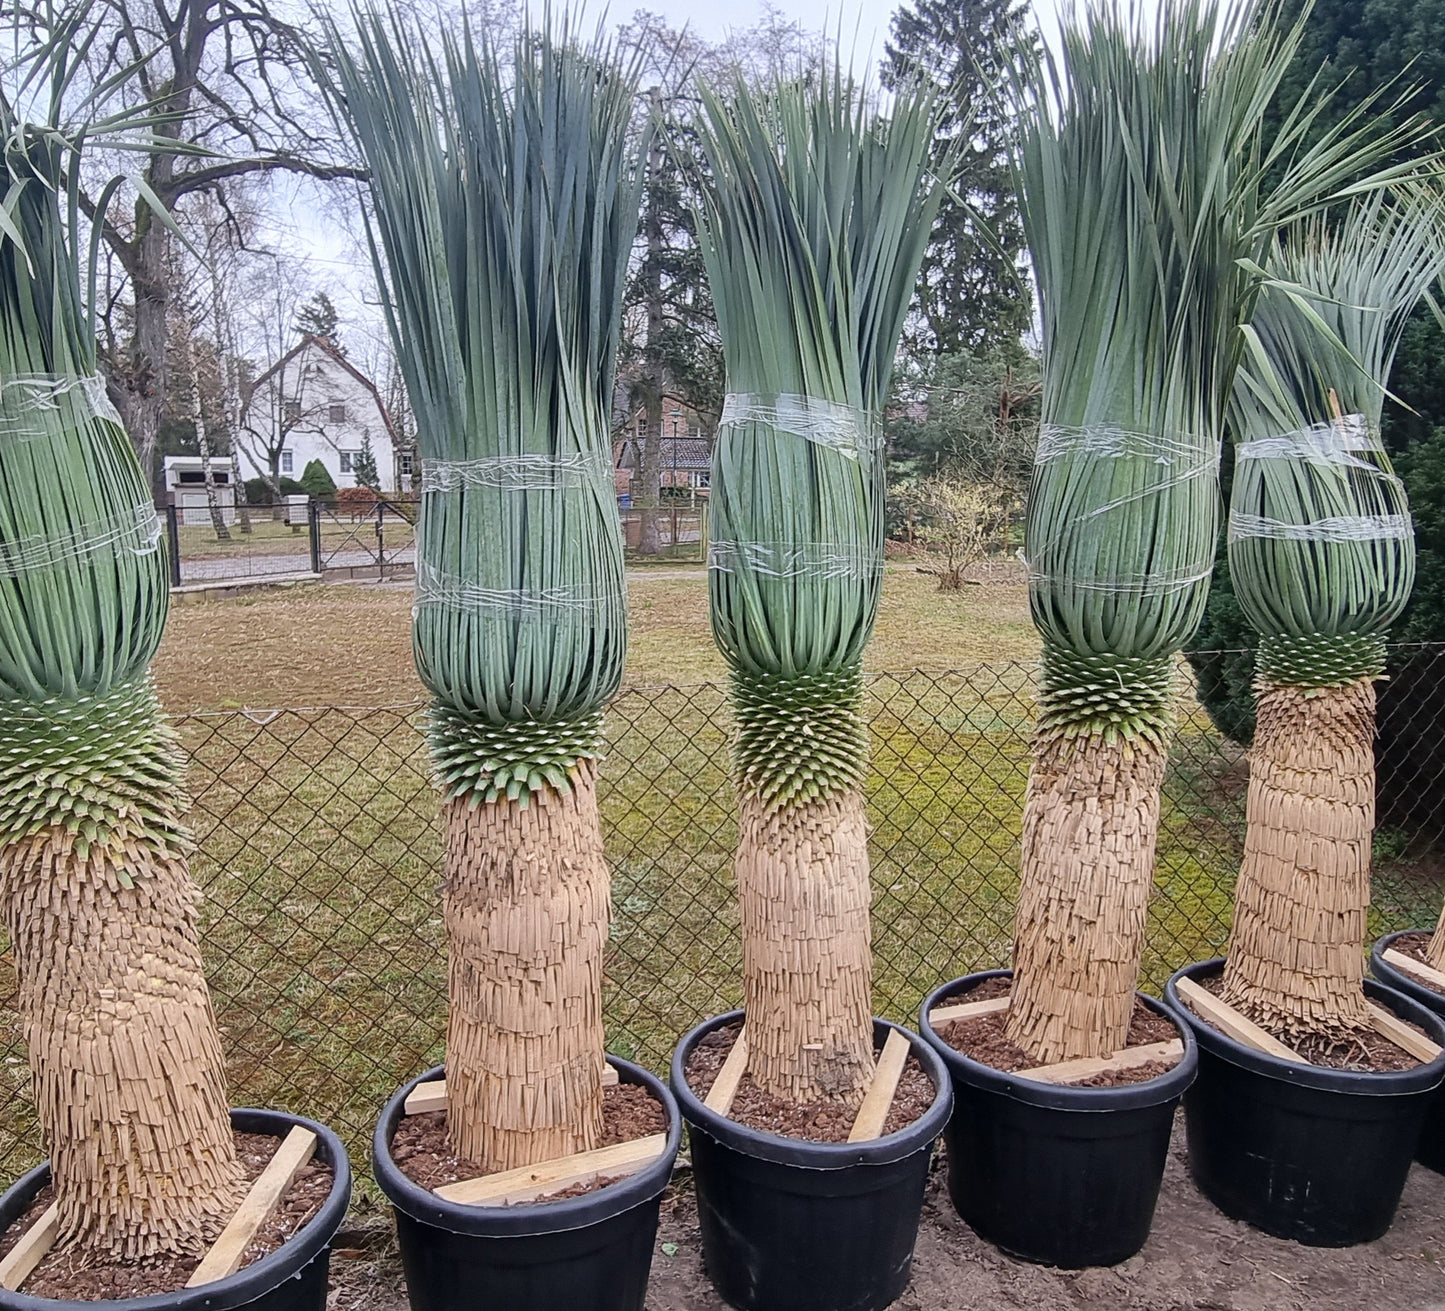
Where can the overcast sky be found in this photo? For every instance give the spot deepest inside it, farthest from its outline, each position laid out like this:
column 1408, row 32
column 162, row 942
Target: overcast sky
column 337, row 260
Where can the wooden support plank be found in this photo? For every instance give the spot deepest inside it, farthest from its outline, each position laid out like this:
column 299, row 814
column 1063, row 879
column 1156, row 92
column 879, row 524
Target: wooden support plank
column 1416, row 968
column 1391, row 1026
column 265, row 1195
column 31, row 1250
column 1126, row 1058
column 725, row 1086
column 878, row 1100
column 967, row 1010
column 1232, row 1024
column 432, row 1096
column 429, row 1096
column 533, row 1181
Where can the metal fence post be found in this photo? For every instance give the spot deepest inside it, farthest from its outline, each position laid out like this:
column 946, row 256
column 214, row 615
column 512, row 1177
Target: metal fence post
column 173, row 542
column 313, row 523
column 381, row 541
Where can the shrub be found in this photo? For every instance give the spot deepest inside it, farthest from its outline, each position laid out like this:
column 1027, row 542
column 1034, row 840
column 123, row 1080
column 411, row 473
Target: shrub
column 356, row 501
column 258, row 490
column 317, row 483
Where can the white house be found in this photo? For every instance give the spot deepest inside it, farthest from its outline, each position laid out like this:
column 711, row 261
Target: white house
column 314, row 404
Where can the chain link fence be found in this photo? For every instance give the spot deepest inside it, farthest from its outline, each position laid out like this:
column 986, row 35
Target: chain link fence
column 320, row 856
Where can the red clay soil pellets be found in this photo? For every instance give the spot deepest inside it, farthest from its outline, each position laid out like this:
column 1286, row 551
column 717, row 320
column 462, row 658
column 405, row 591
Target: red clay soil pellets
column 819, row 1122
column 421, row 1150
column 981, row 1038
column 1365, row 1051
column 1416, row 947
column 67, row 1275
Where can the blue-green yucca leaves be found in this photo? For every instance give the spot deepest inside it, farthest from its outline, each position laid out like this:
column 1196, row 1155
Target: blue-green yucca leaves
column 505, row 196
column 1320, row 547
column 1147, row 188
column 83, row 583
column 816, row 211
column 83, row 580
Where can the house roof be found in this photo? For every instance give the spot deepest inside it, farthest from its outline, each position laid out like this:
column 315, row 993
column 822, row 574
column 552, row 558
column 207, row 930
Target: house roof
column 675, row 452
column 328, row 348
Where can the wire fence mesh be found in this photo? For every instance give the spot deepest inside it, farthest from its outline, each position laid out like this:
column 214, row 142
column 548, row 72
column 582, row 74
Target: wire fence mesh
column 319, row 851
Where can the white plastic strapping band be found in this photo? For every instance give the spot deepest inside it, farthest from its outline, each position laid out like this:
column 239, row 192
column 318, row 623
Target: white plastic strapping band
column 1164, row 583
column 1327, row 443
column 1342, row 528
column 519, row 473
column 793, row 559
column 1184, row 458
column 436, row 587
column 1107, row 441
column 137, row 530
column 843, row 428
column 23, row 395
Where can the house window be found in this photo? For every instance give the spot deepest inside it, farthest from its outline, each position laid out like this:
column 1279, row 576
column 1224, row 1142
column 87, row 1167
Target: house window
column 348, row 459
column 701, row 478
column 336, row 413
column 407, row 462
column 286, row 464
column 291, row 411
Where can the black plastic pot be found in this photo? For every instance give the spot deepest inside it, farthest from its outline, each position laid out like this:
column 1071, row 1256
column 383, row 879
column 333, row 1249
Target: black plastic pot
column 588, row 1253
column 792, row 1225
column 1060, row 1176
column 1303, row 1152
column 292, row 1278
column 1430, row 1150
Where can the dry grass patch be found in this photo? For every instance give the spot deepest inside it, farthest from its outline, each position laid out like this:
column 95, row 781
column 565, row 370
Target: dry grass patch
column 351, row 645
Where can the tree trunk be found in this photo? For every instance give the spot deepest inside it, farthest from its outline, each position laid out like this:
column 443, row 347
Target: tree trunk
column 126, row 1061
column 527, row 905
column 807, row 948
column 650, row 476
column 231, row 398
column 1435, row 953
column 203, row 441
column 243, row 512
column 1296, row 962
column 1091, row 820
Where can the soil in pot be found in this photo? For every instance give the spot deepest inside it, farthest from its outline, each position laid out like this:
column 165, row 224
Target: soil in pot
column 791, row 1220
column 1061, row 1174
column 1366, row 1053
column 819, row 1122
column 982, row 1038
column 420, row 1146
column 578, row 1249
column 1310, row 1151
column 1415, row 946
column 67, row 1274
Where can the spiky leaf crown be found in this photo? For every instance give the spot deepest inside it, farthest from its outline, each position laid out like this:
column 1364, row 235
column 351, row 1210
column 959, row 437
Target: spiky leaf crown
column 103, row 769
column 485, row 761
column 1320, row 660
column 799, row 738
column 1111, row 695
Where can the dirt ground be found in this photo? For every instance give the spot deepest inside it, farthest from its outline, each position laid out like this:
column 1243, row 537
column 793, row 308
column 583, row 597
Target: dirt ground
column 1195, row 1260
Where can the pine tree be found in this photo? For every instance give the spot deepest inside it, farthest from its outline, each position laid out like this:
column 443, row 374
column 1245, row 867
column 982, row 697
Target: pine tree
column 318, row 318
column 364, row 467
column 969, row 295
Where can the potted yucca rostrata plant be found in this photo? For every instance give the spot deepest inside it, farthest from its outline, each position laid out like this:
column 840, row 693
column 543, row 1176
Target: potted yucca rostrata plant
column 126, row 1064
column 504, row 191
column 1322, row 556
column 816, row 210
column 1149, row 193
